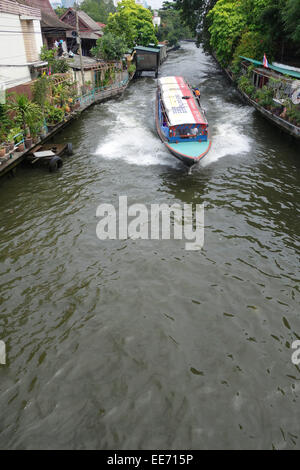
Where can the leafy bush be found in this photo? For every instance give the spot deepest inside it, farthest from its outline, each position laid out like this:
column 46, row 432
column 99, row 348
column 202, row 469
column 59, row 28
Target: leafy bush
column 54, row 115
column 5, row 120
column 27, row 114
column 264, row 96
column 245, row 84
column 40, row 90
column 293, row 114
column 131, row 69
column 253, row 45
column 58, row 65
column 110, row 47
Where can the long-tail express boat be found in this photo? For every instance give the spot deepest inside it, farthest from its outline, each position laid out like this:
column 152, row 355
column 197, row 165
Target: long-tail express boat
column 180, row 121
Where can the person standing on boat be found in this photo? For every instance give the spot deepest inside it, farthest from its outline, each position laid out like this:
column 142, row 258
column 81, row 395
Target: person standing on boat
column 196, row 92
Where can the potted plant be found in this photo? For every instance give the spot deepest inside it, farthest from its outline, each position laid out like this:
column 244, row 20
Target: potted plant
column 6, row 146
column 21, row 147
column 36, row 130
column 10, row 138
column 61, row 94
column 28, row 138
column 54, row 116
column 3, row 145
column 26, row 112
column 19, row 139
column 67, row 109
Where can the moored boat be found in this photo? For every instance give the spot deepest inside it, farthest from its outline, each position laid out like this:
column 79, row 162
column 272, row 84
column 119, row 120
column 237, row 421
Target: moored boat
column 180, row 121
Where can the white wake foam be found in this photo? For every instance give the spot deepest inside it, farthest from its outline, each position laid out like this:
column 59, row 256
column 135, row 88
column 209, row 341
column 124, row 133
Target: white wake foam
column 229, row 134
column 130, row 140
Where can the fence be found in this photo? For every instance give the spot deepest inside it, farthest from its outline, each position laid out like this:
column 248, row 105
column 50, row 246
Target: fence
column 100, row 92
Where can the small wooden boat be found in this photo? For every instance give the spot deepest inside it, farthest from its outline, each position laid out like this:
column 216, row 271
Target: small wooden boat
column 48, row 155
column 180, row 121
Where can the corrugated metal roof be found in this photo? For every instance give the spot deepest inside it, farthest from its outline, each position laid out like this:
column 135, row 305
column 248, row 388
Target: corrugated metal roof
column 15, row 8
column 158, row 45
column 89, row 21
column 284, row 71
column 147, row 49
column 49, row 18
column 87, row 62
column 89, row 29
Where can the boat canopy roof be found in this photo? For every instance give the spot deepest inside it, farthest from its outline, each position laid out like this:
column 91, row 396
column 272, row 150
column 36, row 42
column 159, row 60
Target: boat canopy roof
column 179, row 102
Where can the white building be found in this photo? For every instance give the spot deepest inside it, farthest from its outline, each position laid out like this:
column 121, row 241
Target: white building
column 20, row 43
column 156, row 19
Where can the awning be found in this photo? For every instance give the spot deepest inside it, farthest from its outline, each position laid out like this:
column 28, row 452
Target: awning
column 284, row 71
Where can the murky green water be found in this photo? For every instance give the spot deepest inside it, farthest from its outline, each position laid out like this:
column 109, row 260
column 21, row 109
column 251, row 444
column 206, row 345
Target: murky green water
column 142, row 344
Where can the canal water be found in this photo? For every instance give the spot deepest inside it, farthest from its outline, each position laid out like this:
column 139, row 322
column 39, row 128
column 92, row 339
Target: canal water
column 140, row 344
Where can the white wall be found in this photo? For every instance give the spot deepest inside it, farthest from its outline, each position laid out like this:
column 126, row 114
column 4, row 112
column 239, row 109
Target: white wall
column 38, row 35
column 12, row 50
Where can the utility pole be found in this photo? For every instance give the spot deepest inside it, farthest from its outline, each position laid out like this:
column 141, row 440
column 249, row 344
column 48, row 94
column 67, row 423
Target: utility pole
column 80, row 50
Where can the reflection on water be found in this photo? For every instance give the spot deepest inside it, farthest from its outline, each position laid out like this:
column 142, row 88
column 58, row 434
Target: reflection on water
column 141, row 344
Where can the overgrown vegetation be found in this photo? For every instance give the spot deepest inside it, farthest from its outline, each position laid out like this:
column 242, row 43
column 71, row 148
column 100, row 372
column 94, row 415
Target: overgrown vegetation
column 56, row 65
column 22, row 115
column 264, row 96
column 172, row 28
column 60, row 11
column 293, row 114
column 245, row 27
column 110, row 47
column 245, row 84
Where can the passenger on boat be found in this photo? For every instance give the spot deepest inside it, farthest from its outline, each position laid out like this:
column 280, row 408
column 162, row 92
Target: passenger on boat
column 196, row 92
column 186, row 133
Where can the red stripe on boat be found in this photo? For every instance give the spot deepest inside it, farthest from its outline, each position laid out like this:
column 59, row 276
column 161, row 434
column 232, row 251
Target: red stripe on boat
column 191, row 102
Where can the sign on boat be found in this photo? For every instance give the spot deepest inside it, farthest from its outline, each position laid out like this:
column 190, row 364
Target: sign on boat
column 180, row 120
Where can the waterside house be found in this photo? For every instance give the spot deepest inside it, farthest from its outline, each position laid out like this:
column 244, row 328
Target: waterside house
column 89, row 29
column 96, row 72
column 52, row 28
column 284, row 75
column 20, row 45
column 275, row 91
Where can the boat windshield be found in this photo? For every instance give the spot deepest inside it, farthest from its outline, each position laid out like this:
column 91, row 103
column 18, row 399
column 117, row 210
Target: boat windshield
column 188, row 132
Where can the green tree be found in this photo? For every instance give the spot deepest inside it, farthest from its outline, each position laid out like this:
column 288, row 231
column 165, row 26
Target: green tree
column 291, row 18
column 228, row 22
column 194, row 13
column 98, row 10
column 60, row 11
column 253, row 44
column 134, row 22
column 110, row 47
column 58, row 65
column 172, row 28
